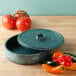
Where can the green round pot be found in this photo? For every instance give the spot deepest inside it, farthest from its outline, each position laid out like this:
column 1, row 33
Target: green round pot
column 20, row 55
column 32, row 46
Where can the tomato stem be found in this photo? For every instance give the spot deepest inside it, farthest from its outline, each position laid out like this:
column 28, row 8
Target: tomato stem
column 21, row 16
column 23, row 13
column 11, row 16
column 62, row 67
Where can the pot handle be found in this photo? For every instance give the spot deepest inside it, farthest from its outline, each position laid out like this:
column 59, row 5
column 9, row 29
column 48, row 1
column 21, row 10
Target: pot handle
column 41, row 37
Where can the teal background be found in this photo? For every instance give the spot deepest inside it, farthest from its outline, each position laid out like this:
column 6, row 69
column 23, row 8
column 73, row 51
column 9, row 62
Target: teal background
column 39, row 7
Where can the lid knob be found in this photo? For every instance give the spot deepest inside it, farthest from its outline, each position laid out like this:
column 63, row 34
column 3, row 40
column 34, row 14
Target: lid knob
column 41, row 37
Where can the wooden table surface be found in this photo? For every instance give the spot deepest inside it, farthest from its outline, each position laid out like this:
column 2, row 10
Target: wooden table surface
column 66, row 25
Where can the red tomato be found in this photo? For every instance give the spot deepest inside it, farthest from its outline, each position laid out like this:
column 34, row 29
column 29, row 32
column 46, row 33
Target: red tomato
column 19, row 13
column 65, row 60
column 8, row 21
column 23, row 24
column 56, row 54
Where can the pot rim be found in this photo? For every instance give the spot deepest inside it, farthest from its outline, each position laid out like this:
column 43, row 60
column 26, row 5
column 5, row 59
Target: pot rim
column 5, row 44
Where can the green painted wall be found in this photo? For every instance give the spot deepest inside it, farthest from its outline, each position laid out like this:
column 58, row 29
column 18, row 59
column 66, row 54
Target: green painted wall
column 39, row 7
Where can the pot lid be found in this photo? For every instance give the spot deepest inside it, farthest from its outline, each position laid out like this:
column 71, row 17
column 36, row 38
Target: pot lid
column 40, row 39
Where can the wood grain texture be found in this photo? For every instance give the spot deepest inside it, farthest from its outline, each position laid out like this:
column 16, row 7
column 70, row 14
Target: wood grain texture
column 66, row 25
